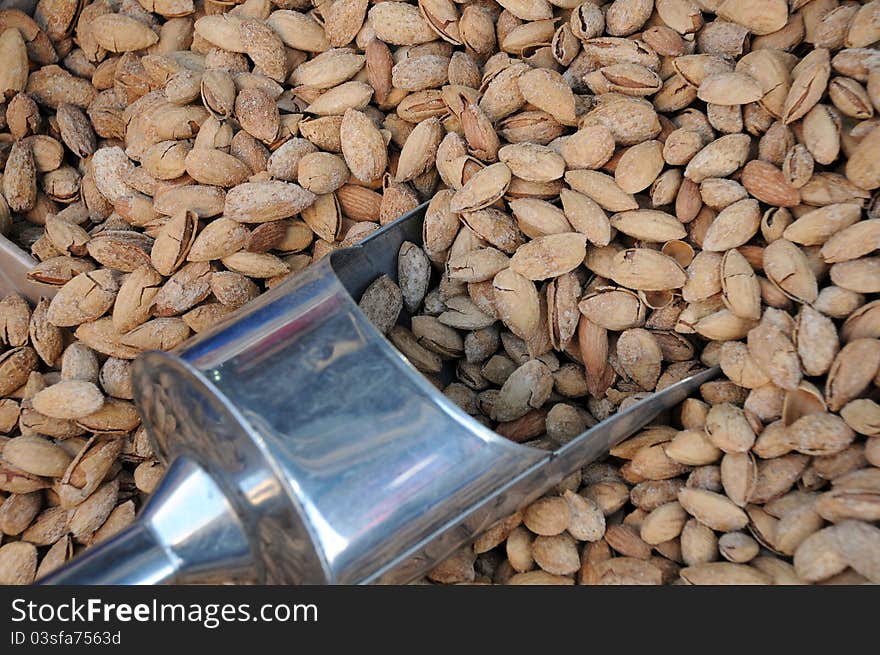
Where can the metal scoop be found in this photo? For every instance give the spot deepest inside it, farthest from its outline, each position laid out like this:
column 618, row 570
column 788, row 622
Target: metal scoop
column 303, row 448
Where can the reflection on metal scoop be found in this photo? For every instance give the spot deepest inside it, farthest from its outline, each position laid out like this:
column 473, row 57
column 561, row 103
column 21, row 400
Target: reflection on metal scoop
column 303, row 448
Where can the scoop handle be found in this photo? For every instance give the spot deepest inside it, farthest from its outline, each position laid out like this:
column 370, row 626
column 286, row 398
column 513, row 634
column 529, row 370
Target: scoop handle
column 133, row 557
column 187, row 533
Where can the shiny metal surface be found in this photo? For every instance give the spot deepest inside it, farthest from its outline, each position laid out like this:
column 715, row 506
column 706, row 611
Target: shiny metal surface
column 340, row 461
column 354, row 443
column 14, row 265
column 186, row 533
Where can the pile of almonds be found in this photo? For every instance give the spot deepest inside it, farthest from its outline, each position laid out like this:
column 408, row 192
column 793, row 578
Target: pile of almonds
column 74, row 458
column 620, row 194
